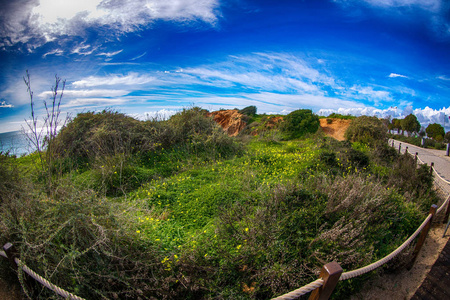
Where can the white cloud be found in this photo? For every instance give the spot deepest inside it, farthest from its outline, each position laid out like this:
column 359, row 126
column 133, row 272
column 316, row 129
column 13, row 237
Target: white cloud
column 3, row 104
column 87, row 93
column 94, row 102
column 395, row 75
column 431, row 5
column 443, row 77
column 159, row 115
column 129, row 79
column 109, row 54
column 45, row 20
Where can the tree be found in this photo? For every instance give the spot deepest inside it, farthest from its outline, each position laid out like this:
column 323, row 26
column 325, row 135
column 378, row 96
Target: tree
column 410, row 124
column 299, row 122
column 435, row 131
column 397, row 124
column 367, row 130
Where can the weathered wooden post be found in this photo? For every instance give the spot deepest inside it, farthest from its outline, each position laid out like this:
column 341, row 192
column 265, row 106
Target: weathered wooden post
column 392, row 143
column 406, row 151
column 415, row 158
column 423, row 236
column 11, row 253
column 447, row 211
column 399, row 147
column 448, row 149
column 431, row 168
column 330, row 274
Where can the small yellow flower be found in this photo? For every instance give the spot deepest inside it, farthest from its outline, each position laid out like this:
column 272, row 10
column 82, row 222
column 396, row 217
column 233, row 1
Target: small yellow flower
column 246, row 229
column 138, row 231
column 239, row 247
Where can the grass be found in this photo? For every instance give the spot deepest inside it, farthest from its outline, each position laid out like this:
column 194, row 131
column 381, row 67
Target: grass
column 182, row 222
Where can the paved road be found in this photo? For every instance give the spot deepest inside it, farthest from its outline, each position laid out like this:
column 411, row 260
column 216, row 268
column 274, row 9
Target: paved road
column 441, row 162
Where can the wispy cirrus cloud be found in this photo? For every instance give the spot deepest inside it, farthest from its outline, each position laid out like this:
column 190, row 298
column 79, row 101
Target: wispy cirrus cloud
column 87, row 93
column 395, row 75
column 434, row 13
column 131, row 78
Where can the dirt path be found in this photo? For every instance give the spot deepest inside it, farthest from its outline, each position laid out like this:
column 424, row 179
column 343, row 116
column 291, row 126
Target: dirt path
column 403, row 284
column 9, row 292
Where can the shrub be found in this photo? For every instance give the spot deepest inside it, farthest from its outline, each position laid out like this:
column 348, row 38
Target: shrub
column 249, row 110
column 298, row 123
column 367, row 130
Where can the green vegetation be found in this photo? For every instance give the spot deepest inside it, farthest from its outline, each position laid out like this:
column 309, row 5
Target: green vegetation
column 339, row 116
column 249, row 110
column 178, row 210
column 410, row 124
column 298, row 123
column 366, row 129
column 435, row 131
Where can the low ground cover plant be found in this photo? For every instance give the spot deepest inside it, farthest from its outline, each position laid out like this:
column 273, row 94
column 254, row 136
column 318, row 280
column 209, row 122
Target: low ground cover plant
column 176, row 209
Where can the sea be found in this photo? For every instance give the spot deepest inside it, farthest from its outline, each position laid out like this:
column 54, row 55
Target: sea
column 15, row 143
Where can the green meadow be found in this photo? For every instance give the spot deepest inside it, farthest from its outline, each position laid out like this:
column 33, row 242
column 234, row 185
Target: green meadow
column 176, row 209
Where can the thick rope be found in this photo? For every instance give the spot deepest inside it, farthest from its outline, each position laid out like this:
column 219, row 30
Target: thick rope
column 301, row 291
column 373, row 266
column 440, row 177
column 45, row 282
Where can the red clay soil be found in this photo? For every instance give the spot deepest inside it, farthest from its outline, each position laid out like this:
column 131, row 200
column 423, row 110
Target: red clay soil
column 336, row 128
column 230, row 120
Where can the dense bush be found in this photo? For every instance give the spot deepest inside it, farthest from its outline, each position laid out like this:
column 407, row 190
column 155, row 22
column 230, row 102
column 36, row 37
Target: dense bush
column 249, row 110
column 298, row 123
column 435, row 131
column 366, row 129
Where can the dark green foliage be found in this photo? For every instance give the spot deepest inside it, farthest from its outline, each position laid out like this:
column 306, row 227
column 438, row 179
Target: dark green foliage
column 367, row 130
column 410, row 124
column 447, row 137
column 435, row 131
column 249, row 110
column 91, row 135
column 10, row 183
column 339, row 116
column 298, row 123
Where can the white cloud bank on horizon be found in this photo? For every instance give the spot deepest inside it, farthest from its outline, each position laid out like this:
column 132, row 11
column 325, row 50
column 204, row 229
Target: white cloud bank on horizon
column 425, row 115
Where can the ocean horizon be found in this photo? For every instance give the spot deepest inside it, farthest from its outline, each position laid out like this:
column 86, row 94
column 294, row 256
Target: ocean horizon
column 15, row 143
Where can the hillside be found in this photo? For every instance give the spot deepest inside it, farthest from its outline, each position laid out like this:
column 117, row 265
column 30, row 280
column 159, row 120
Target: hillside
column 336, row 129
column 233, row 123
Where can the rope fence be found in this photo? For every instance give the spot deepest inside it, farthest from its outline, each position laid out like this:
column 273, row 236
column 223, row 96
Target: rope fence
column 319, row 286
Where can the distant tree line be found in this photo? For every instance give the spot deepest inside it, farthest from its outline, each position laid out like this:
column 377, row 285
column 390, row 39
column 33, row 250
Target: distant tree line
column 412, row 126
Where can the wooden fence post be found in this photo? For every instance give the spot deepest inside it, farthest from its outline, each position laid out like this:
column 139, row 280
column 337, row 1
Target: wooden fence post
column 330, row 274
column 431, row 168
column 11, row 253
column 422, row 237
column 392, row 143
column 415, row 157
column 447, row 211
column 399, row 147
column 406, row 151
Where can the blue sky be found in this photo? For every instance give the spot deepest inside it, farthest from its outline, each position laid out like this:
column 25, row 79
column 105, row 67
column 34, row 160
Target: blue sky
column 155, row 57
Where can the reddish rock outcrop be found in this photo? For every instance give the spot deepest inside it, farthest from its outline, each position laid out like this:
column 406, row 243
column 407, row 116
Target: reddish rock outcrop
column 230, row 120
